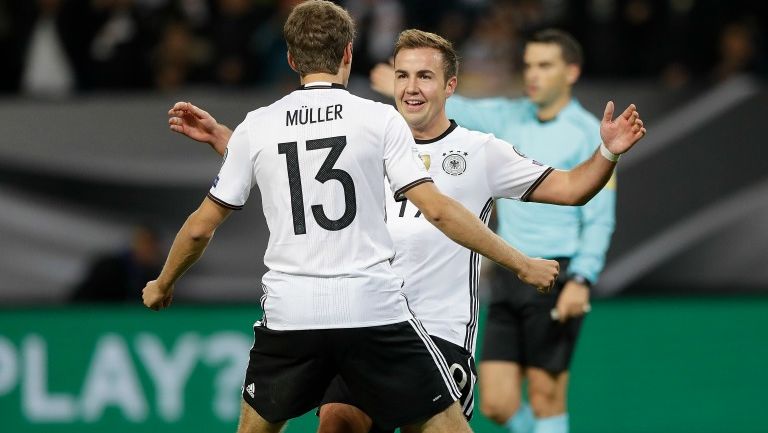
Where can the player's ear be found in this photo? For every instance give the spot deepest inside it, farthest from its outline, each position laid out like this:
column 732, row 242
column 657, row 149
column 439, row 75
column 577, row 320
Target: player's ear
column 572, row 73
column 291, row 62
column 450, row 86
column 348, row 54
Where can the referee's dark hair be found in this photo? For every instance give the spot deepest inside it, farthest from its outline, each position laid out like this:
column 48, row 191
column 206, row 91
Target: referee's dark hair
column 570, row 47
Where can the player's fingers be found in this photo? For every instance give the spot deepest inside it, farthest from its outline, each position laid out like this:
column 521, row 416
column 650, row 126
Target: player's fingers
column 177, row 128
column 628, row 112
column 608, row 113
column 198, row 112
column 180, row 106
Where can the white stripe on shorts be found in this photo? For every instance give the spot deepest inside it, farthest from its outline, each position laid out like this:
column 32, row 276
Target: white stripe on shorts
column 469, row 402
column 437, row 356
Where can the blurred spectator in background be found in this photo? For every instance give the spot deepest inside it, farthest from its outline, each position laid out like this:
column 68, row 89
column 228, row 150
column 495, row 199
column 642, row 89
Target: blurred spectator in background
column 268, row 48
column 120, row 46
column 378, row 23
column 737, row 50
column 178, row 57
column 488, row 54
column 55, row 48
column 235, row 23
column 120, row 276
column 49, row 54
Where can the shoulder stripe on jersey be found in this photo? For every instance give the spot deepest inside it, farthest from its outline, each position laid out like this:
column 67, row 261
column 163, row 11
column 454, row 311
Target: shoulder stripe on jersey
column 222, row 203
column 438, row 357
column 400, row 193
column 527, row 195
column 470, row 336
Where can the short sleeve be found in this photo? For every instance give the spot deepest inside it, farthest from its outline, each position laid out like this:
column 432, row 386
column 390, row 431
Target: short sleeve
column 233, row 184
column 402, row 164
column 511, row 174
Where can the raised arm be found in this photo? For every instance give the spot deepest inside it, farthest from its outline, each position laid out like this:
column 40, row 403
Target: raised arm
column 188, row 246
column 197, row 124
column 382, row 78
column 464, row 228
column 579, row 185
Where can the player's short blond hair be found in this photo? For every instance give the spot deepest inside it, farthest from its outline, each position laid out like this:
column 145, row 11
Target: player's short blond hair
column 317, row 32
column 413, row 38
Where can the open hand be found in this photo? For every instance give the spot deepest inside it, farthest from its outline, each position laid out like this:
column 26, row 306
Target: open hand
column 540, row 273
column 621, row 134
column 185, row 118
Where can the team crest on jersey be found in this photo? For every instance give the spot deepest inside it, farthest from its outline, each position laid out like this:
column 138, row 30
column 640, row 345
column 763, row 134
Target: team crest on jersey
column 426, row 159
column 454, row 162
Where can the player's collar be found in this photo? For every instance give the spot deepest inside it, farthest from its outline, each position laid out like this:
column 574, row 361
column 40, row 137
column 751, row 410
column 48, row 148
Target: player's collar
column 321, row 85
column 441, row 136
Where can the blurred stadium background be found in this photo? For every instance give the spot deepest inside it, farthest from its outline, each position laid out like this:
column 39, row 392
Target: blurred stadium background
column 678, row 337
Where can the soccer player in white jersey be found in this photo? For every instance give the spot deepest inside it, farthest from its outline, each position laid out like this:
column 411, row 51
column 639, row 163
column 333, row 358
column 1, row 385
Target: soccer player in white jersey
column 333, row 305
column 474, row 168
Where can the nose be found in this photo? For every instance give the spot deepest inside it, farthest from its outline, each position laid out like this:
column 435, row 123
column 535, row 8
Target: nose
column 411, row 86
column 530, row 75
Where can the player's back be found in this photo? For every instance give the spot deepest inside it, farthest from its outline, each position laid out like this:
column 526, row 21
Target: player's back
column 319, row 156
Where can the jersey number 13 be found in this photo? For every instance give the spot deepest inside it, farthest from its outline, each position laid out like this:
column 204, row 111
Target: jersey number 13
column 326, row 173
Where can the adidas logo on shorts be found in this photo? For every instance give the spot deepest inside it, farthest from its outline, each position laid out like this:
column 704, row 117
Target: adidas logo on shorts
column 250, row 389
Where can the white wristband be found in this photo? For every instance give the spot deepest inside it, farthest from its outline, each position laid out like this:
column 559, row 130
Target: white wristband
column 607, row 154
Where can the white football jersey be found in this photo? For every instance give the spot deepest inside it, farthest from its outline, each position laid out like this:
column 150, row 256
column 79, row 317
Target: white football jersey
column 319, row 156
column 441, row 277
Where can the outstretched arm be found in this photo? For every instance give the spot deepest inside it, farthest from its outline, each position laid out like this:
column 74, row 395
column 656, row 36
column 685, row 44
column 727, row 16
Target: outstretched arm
column 188, row 246
column 579, row 185
column 197, row 124
column 464, row 228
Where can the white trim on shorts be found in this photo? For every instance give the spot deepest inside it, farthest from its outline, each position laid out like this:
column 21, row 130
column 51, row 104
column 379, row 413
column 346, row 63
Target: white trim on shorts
column 469, row 403
column 437, row 356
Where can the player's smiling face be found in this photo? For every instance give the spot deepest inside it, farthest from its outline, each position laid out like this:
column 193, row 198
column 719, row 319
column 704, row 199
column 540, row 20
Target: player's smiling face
column 421, row 90
column 547, row 76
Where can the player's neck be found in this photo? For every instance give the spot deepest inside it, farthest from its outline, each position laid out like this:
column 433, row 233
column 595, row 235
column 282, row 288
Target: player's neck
column 550, row 111
column 325, row 78
column 434, row 129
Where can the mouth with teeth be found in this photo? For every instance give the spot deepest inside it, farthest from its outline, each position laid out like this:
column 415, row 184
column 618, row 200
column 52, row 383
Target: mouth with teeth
column 413, row 104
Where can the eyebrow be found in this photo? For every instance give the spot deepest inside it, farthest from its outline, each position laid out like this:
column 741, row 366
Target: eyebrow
column 420, row 71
